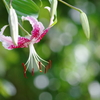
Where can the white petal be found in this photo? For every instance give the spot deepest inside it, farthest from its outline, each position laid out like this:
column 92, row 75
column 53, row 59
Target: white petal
column 3, row 28
column 6, row 40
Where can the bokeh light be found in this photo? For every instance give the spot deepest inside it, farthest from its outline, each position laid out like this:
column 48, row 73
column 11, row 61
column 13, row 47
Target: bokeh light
column 41, row 81
column 45, row 96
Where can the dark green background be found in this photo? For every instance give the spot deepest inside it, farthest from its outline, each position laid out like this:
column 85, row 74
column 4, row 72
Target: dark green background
column 75, row 72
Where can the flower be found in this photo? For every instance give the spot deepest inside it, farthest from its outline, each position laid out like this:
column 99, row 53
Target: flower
column 37, row 33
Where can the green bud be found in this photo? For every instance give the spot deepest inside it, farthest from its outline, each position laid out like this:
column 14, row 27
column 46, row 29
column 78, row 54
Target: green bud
column 13, row 23
column 53, row 10
column 85, row 24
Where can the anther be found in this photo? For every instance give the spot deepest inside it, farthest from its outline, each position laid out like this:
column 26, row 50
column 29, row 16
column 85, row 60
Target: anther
column 49, row 65
column 40, row 66
column 40, row 70
column 25, row 75
column 32, row 71
column 46, row 69
column 24, row 70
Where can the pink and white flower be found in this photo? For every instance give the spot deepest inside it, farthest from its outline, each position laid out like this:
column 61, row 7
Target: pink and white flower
column 37, row 33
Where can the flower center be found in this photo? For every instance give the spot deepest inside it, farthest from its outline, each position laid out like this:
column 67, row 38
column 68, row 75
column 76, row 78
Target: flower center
column 40, row 64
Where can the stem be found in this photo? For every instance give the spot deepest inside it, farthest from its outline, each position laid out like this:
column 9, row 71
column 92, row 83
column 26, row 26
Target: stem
column 24, row 29
column 71, row 6
column 6, row 5
column 10, row 3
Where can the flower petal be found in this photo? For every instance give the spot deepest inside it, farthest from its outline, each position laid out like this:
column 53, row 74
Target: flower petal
column 38, row 27
column 22, row 43
column 6, row 40
column 3, row 28
column 8, row 43
column 42, row 35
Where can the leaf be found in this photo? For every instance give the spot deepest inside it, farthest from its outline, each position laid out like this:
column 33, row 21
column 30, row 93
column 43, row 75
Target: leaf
column 85, row 24
column 24, row 7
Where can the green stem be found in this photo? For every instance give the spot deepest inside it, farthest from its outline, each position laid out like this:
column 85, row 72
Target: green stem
column 71, row 6
column 24, row 29
column 10, row 3
column 6, row 5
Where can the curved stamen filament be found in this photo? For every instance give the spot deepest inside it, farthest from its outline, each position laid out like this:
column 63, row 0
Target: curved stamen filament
column 35, row 59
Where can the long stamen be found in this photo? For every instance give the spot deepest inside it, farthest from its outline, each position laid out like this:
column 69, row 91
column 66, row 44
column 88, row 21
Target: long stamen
column 46, row 69
column 35, row 59
column 49, row 65
column 40, row 66
column 32, row 71
column 24, row 70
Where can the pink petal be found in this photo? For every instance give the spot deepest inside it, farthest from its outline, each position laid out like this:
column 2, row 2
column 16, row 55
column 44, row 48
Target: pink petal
column 6, row 41
column 8, row 44
column 42, row 35
column 37, row 27
column 22, row 43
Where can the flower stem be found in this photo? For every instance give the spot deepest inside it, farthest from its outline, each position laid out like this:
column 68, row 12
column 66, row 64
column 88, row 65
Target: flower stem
column 6, row 5
column 10, row 3
column 24, row 29
column 71, row 6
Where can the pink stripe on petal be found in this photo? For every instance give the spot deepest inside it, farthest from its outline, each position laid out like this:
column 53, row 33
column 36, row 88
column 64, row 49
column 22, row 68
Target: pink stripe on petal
column 37, row 27
column 41, row 27
column 42, row 35
column 22, row 43
column 35, row 33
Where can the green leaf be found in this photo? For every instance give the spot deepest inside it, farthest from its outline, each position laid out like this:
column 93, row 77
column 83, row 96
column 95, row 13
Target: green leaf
column 85, row 24
column 23, row 7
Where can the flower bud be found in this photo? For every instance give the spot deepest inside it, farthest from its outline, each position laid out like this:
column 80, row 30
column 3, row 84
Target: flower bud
column 13, row 23
column 85, row 24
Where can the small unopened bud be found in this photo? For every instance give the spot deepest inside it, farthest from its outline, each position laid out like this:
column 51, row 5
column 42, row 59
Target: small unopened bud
column 13, row 22
column 85, row 24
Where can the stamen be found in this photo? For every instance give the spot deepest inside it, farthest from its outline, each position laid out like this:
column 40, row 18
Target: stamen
column 40, row 66
column 49, row 65
column 24, row 70
column 25, row 75
column 46, row 69
column 40, row 70
column 32, row 71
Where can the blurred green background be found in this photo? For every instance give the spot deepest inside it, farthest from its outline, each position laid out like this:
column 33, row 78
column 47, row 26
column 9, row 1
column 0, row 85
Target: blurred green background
column 75, row 72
